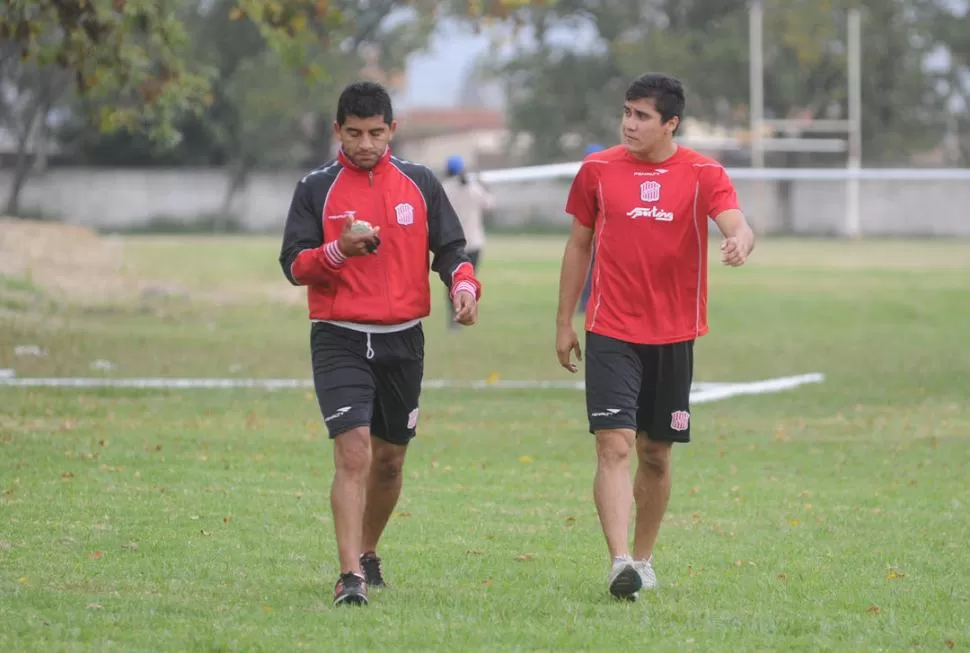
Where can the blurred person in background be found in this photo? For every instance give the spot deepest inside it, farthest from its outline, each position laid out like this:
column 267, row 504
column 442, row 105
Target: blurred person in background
column 357, row 235
column 470, row 199
column 646, row 202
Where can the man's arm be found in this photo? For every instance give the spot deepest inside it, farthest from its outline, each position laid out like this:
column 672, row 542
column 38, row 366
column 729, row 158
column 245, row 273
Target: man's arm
column 722, row 205
column 446, row 240
column 738, row 240
column 572, row 276
column 304, row 257
column 582, row 204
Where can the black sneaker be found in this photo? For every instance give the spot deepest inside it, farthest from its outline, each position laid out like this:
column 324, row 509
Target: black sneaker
column 351, row 589
column 370, row 563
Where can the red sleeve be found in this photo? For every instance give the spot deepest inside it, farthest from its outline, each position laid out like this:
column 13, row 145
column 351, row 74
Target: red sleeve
column 463, row 278
column 718, row 191
column 318, row 266
column 581, row 203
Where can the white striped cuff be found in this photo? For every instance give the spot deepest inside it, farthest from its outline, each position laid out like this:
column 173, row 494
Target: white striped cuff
column 334, row 256
column 467, row 286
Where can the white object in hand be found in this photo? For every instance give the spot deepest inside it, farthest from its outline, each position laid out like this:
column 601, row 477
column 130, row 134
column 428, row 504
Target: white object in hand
column 361, row 227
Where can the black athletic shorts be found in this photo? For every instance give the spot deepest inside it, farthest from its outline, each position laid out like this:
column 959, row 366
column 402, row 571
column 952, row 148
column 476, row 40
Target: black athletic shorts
column 368, row 379
column 641, row 387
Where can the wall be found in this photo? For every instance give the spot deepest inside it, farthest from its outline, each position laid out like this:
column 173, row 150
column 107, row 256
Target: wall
column 119, row 199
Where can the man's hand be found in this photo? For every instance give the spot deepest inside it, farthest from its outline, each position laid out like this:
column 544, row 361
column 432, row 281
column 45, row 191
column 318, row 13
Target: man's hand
column 355, row 244
column 566, row 343
column 466, row 307
column 735, row 250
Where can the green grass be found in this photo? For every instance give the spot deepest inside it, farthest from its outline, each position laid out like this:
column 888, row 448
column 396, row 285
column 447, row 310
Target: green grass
column 831, row 517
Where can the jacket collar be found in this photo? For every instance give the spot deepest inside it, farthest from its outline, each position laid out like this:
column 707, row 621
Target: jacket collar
column 381, row 162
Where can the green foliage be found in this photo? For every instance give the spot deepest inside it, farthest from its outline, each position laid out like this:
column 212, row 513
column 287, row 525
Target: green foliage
column 127, row 57
column 705, row 43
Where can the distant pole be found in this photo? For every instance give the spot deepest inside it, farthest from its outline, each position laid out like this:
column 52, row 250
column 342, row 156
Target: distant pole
column 756, row 110
column 853, row 224
column 757, row 84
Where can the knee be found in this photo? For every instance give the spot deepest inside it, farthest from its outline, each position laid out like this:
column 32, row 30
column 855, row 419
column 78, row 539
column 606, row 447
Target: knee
column 613, row 448
column 352, row 453
column 654, row 456
column 388, row 465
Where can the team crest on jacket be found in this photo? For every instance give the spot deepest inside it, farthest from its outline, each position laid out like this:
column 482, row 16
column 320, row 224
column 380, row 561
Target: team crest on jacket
column 650, row 191
column 405, row 214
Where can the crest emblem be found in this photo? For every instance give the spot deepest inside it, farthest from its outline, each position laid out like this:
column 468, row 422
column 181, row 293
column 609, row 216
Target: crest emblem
column 679, row 420
column 405, row 214
column 650, row 191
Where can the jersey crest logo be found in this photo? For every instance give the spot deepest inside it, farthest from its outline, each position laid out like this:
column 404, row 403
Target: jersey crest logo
column 650, row 191
column 679, row 420
column 405, row 214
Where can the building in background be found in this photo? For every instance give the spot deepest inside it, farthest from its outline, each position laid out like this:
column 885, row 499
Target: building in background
column 480, row 136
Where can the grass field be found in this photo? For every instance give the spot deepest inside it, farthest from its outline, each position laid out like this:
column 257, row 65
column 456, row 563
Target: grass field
column 831, row 517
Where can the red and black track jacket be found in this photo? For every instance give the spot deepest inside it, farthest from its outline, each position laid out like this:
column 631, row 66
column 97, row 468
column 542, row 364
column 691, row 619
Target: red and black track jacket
column 390, row 287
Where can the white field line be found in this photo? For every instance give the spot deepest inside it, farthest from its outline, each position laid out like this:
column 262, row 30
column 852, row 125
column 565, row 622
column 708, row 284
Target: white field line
column 700, row 392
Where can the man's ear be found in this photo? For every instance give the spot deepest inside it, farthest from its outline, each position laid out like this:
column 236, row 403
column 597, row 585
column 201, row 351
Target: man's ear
column 393, row 128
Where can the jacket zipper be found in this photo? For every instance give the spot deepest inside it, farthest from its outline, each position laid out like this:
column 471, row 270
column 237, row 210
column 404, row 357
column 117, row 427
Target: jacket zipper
column 380, row 262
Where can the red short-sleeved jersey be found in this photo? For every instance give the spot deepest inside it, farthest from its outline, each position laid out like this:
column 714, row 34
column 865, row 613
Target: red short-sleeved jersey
column 649, row 282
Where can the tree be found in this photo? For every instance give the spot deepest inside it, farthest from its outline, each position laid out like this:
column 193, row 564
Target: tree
column 28, row 93
column 705, row 43
column 124, row 59
column 126, row 56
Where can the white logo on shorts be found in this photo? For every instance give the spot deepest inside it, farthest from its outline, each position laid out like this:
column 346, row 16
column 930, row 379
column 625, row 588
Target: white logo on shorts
column 679, row 420
column 340, row 411
column 413, row 419
column 609, row 412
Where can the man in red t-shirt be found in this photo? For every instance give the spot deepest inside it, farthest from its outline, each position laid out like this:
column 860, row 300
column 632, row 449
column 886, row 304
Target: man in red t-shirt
column 646, row 205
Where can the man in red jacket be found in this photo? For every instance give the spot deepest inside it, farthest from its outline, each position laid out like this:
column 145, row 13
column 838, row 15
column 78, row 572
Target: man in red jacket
column 646, row 204
column 357, row 235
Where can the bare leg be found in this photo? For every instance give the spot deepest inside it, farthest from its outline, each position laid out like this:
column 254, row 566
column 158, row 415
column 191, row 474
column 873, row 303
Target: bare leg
column 383, row 490
column 612, row 489
column 652, row 491
column 348, row 494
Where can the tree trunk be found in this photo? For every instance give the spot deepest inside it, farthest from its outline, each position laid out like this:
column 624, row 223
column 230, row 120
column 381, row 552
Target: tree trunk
column 239, row 171
column 322, row 144
column 21, row 167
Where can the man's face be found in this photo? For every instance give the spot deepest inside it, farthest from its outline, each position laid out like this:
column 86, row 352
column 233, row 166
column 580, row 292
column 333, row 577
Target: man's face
column 642, row 129
column 364, row 139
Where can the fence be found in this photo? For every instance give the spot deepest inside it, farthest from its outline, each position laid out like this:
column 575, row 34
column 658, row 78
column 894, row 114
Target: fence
column 799, row 201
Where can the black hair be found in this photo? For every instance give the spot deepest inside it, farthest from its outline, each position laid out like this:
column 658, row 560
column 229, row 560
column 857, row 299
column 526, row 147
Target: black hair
column 364, row 100
column 666, row 92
